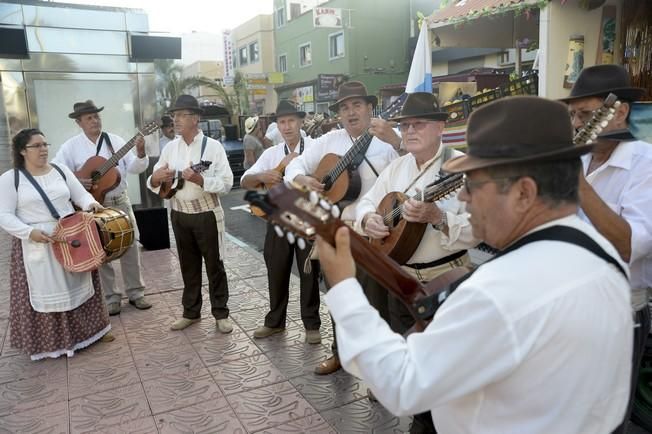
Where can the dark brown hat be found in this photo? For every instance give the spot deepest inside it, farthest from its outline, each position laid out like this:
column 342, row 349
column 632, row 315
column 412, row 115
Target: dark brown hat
column 166, row 121
column 515, row 130
column 186, row 102
column 286, row 108
column 82, row 108
column 601, row 80
column 421, row 105
column 352, row 89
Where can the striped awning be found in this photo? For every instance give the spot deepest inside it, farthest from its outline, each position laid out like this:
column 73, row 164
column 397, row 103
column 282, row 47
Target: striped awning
column 470, row 9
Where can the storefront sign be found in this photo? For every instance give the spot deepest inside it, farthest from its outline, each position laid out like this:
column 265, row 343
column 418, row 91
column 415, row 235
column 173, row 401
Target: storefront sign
column 327, row 17
column 327, row 85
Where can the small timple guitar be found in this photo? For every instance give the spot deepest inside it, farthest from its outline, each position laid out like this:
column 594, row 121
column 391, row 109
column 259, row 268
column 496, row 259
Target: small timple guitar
column 404, row 237
column 304, row 214
column 169, row 189
column 103, row 173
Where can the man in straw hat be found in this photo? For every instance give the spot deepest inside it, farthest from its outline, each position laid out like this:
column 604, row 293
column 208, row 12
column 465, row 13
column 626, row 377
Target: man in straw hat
column 538, row 340
column 448, row 232
column 197, row 215
column 74, row 153
column 278, row 252
column 252, row 141
column 354, row 108
column 616, row 188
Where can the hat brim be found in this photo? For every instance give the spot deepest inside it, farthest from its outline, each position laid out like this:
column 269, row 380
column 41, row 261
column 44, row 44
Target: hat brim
column 622, row 134
column 625, row 93
column 442, row 116
column 369, row 98
column 192, row 109
column 75, row 115
column 299, row 114
column 466, row 163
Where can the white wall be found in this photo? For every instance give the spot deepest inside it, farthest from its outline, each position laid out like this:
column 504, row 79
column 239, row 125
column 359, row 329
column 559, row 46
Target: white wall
column 558, row 23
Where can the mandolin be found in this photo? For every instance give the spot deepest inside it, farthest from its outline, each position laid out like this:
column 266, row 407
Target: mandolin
column 404, row 237
column 305, row 214
column 169, row 189
column 341, row 181
column 103, row 173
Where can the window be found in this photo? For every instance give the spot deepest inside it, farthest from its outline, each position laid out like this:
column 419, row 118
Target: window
column 305, row 55
column 336, row 45
column 280, row 17
column 283, row 63
column 253, row 52
column 243, row 56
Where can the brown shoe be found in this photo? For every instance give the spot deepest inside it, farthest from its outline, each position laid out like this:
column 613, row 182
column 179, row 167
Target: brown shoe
column 328, row 366
column 108, row 337
column 264, row 331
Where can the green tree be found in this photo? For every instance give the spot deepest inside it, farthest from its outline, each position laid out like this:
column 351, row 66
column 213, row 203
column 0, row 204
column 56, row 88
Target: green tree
column 235, row 98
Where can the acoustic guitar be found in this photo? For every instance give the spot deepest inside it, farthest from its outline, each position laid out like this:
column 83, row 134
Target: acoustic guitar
column 404, row 237
column 305, row 214
column 341, row 182
column 103, row 173
column 169, row 189
column 281, row 171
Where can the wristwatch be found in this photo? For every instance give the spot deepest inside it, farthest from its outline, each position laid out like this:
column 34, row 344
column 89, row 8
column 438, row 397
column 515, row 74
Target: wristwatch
column 442, row 223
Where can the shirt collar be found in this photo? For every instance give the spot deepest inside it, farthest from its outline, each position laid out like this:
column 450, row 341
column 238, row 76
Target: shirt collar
column 621, row 156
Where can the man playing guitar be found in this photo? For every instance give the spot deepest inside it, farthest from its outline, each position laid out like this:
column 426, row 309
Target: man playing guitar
column 197, row 215
column 354, row 108
column 74, row 153
column 278, row 252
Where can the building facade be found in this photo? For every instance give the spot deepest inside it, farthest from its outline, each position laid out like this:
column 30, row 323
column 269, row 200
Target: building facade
column 321, row 44
column 253, row 55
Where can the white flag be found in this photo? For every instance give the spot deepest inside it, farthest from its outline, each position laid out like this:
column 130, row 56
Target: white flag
column 420, row 78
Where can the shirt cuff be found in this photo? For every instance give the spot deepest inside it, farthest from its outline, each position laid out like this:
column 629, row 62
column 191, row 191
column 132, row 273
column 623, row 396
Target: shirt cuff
column 345, row 298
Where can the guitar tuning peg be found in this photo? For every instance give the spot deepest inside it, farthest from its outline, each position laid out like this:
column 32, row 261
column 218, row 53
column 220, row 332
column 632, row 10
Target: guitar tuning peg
column 278, row 231
column 610, row 116
column 593, row 136
column 290, row 237
column 604, row 124
column 617, row 104
column 301, row 243
column 588, row 142
column 335, row 211
column 314, row 197
column 324, row 204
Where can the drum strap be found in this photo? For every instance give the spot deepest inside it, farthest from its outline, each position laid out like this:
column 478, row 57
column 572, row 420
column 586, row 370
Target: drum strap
column 38, row 188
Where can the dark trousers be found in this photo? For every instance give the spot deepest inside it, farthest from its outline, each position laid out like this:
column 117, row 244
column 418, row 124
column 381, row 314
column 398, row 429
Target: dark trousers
column 279, row 255
column 197, row 238
column 376, row 294
column 640, row 337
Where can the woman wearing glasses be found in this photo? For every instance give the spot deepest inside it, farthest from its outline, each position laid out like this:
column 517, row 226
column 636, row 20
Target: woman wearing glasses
column 52, row 312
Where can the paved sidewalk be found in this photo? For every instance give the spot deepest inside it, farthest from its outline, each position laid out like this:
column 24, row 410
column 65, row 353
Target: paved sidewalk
column 151, row 379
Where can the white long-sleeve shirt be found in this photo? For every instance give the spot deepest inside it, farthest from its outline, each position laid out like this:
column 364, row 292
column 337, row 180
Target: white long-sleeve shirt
column 179, row 155
column 538, row 341
column 273, row 155
column 78, row 149
column 338, row 142
column 397, row 177
column 624, row 183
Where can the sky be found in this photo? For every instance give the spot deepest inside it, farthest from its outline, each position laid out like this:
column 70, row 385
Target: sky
column 186, row 16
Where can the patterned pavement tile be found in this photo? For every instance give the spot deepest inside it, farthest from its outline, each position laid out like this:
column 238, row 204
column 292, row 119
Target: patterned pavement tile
column 245, row 374
column 118, row 349
column 249, row 319
column 155, row 335
column 363, row 416
column 248, row 300
column 175, row 391
column 314, row 424
column 101, row 374
column 328, row 391
column 165, row 361
column 294, row 334
column 139, row 426
column 226, row 348
column 108, row 411
column 50, row 419
column 32, row 393
column 268, row 406
column 22, row 368
column 215, row 416
column 206, row 329
column 298, row 360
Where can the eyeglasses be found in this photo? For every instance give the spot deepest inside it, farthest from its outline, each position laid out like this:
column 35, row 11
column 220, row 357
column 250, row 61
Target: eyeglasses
column 418, row 126
column 469, row 185
column 38, row 146
column 178, row 115
column 583, row 115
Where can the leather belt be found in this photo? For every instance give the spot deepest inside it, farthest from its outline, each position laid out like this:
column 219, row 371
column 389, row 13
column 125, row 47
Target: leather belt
column 440, row 261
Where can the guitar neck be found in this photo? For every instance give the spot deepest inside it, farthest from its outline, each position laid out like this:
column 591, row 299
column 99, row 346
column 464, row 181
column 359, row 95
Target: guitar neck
column 381, row 267
column 116, row 157
column 344, row 163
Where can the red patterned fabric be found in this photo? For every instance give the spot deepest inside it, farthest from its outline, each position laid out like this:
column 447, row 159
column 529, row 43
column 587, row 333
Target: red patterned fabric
column 78, row 247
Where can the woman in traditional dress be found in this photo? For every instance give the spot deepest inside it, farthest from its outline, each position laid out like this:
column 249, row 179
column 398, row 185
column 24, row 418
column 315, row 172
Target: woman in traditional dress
column 52, row 311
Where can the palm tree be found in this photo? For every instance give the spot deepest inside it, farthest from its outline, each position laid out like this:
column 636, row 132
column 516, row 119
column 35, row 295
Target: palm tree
column 235, row 98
